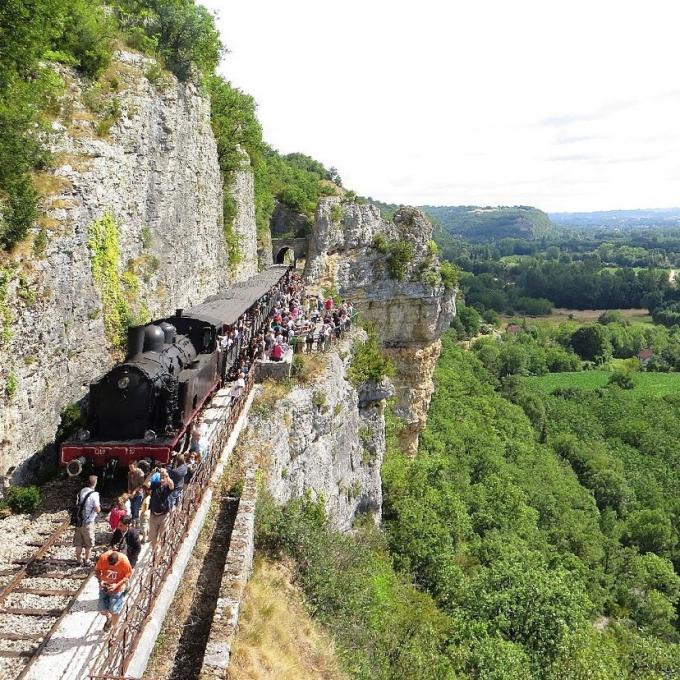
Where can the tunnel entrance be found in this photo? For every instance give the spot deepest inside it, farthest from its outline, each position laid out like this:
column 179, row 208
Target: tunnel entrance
column 286, row 255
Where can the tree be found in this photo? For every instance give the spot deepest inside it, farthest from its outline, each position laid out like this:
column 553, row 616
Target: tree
column 529, row 604
column 470, row 319
column 591, row 343
column 650, row 530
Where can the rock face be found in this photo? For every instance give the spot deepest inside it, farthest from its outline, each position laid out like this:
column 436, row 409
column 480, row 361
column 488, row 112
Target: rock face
column 245, row 228
column 143, row 153
column 410, row 314
column 322, row 439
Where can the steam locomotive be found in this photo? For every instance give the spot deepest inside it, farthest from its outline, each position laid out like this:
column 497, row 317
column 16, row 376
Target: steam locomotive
column 144, row 407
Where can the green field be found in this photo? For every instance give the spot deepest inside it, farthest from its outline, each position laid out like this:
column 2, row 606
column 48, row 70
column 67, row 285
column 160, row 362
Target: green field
column 657, row 384
column 560, row 315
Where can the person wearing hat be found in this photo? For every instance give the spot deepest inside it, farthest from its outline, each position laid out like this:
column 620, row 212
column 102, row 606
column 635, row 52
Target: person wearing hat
column 125, row 540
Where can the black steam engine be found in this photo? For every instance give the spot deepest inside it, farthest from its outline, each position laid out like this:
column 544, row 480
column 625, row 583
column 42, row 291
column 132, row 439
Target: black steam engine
column 144, row 407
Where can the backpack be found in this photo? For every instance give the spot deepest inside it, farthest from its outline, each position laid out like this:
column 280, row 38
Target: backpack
column 78, row 509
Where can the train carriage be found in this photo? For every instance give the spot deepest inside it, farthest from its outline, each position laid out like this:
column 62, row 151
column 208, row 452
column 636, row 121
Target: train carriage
column 144, row 407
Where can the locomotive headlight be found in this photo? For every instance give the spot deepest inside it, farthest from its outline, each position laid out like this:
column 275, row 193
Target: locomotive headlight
column 123, row 383
column 149, row 435
column 83, row 435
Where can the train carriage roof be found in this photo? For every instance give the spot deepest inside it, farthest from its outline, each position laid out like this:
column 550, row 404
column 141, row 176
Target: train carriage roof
column 227, row 306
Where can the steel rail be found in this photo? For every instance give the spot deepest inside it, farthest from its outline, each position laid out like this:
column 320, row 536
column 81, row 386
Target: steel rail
column 23, row 571
column 14, row 586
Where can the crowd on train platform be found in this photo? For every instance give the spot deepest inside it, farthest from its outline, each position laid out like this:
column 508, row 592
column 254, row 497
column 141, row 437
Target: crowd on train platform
column 285, row 321
column 136, row 517
column 297, row 322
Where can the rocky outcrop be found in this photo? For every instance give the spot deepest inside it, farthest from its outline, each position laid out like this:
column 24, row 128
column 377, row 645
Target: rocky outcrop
column 326, row 438
column 350, row 251
column 136, row 149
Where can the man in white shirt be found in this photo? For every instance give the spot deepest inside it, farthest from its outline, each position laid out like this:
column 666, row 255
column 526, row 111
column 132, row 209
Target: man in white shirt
column 89, row 507
column 238, row 387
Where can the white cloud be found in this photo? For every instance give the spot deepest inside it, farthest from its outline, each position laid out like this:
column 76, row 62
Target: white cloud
column 564, row 105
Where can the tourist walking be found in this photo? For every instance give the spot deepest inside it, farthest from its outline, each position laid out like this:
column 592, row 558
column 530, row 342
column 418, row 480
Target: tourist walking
column 125, row 540
column 113, row 571
column 159, row 505
column 87, row 508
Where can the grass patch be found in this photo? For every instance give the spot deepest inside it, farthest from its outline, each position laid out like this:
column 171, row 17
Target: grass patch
column 47, row 184
column 646, row 384
column 561, row 314
column 277, row 639
column 271, row 393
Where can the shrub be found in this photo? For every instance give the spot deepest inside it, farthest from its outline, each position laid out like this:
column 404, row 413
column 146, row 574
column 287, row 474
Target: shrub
column 112, row 114
column 623, row 380
column 298, row 365
column 431, row 277
column 400, row 255
column 155, row 75
column 368, row 362
column 71, row 417
column 23, row 499
column 319, row 399
column 337, row 213
column 449, row 274
column 40, row 243
column 11, row 385
column 380, row 244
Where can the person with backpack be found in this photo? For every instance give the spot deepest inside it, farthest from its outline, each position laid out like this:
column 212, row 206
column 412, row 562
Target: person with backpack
column 83, row 517
column 161, row 488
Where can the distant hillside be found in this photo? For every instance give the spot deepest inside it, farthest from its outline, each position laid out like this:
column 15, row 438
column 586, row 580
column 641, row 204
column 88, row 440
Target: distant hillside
column 663, row 217
column 491, row 223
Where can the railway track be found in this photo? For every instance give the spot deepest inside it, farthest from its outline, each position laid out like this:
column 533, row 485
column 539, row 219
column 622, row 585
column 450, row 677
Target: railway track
column 38, row 591
column 42, row 586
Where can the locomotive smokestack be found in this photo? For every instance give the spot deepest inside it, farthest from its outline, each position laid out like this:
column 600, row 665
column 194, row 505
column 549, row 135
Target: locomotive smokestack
column 135, row 341
column 178, row 312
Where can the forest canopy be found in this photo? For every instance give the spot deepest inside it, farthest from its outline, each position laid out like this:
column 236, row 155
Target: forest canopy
column 83, row 34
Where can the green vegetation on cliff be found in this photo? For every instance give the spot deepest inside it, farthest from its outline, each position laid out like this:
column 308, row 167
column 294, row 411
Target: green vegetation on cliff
column 183, row 38
column 294, row 180
column 118, row 290
column 81, row 34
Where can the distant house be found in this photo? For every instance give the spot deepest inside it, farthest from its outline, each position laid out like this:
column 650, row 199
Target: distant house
column 513, row 328
column 645, row 355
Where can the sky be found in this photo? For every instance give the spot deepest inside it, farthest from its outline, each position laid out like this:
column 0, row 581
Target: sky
column 568, row 106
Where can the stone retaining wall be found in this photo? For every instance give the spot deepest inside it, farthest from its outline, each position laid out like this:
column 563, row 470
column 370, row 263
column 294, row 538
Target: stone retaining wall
column 235, row 577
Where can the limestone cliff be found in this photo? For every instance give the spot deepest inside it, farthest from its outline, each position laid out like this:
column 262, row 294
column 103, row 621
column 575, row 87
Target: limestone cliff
column 134, row 152
column 350, row 249
column 327, row 438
